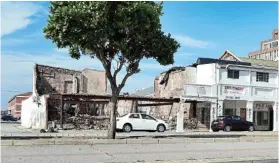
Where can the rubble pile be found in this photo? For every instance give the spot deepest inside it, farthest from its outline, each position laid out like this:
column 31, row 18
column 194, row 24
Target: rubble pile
column 86, row 122
column 172, row 123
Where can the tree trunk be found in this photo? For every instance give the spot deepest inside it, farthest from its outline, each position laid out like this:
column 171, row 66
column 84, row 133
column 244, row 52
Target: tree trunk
column 112, row 124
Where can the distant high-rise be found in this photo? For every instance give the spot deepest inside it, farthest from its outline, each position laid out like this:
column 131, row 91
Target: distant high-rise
column 269, row 48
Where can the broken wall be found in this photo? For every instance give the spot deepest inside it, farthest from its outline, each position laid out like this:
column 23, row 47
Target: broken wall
column 173, row 87
column 95, row 82
column 49, row 80
column 78, row 115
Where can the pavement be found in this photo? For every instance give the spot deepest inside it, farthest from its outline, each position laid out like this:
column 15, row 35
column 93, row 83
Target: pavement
column 15, row 131
column 145, row 153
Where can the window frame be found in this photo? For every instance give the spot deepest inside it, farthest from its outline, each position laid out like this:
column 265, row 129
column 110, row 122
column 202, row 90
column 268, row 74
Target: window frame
column 134, row 117
column 262, row 77
column 233, row 74
column 151, row 118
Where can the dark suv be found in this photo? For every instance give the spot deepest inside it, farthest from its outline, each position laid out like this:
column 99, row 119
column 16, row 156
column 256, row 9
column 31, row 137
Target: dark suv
column 8, row 118
column 228, row 123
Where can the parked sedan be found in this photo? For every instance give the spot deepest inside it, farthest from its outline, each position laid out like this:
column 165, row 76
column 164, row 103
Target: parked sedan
column 138, row 121
column 8, row 118
column 229, row 123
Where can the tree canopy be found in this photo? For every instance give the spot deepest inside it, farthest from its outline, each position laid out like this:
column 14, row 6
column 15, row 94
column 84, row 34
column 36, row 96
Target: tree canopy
column 119, row 34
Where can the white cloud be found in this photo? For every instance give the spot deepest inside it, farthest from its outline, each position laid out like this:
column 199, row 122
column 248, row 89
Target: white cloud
column 16, row 15
column 63, row 50
column 19, row 67
column 154, row 66
column 191, row 42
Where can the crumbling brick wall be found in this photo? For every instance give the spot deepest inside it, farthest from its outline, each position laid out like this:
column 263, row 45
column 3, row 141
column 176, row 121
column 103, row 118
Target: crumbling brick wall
column 173, row 87
column 50, row 80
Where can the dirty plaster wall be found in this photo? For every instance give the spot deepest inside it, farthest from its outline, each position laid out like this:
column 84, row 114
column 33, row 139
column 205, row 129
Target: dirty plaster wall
column 96, row 81
column 54, row 80
column 173, row 88
column 50, row 80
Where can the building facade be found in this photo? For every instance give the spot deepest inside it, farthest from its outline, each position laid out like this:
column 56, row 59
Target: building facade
column 14, row 104
column 268, row 48
column 234, row 88
column 49, row 80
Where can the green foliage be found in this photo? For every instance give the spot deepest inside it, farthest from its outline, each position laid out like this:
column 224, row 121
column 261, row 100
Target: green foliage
column 122, row 31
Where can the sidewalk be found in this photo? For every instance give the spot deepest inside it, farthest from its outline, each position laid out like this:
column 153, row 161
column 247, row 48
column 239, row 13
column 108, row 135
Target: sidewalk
column 15, row 131
column 92, row 141
column 228, row 160
column 169, row 134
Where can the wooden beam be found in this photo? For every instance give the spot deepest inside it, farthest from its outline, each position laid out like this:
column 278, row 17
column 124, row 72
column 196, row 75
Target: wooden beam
column 155, row 104
column 61, row 111
column 171, row 110
column 120, row 97
column 87, row 102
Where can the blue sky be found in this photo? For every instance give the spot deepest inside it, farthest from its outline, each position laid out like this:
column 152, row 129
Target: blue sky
column 204, row 29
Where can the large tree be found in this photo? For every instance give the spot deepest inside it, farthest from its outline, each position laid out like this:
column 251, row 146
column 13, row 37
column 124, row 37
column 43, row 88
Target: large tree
column 119, row 34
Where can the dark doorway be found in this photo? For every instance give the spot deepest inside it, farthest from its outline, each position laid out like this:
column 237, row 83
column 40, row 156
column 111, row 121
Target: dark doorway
column 270, row 119
column 243, row 113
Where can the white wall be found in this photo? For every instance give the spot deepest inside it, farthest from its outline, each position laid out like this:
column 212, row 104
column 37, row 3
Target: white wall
column 272, row 82
column 34, row 115
column 244, row 78
column 206, row 74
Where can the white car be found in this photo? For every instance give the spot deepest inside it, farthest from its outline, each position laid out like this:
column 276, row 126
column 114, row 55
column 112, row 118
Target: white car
column 139, row 121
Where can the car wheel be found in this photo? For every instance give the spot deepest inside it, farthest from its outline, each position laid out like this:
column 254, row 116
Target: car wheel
column 251, row 128
column 227, row 128
column 161, row 128
column 127, row 128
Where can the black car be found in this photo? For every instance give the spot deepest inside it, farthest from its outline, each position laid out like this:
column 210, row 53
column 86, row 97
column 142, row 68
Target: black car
column 8, row 118
column 232, row 123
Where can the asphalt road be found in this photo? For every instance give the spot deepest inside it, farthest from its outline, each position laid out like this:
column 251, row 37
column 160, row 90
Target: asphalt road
column 135, row 153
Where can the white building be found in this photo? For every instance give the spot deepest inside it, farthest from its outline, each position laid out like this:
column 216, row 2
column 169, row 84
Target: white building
column 268, row 48
column 235, row 87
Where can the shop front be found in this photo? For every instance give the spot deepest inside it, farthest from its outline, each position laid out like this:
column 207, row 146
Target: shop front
column 234, row 107
column 263, row 116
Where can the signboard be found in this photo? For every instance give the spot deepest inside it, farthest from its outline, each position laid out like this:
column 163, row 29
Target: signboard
column 262, row 107
column 234, row 90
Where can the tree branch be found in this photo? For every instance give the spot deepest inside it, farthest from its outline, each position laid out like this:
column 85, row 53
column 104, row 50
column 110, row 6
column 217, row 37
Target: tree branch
column 124, row 80
column 121, row 63
column 107, row 66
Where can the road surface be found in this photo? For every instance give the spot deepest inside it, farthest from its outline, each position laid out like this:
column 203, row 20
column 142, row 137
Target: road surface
column 136, row 152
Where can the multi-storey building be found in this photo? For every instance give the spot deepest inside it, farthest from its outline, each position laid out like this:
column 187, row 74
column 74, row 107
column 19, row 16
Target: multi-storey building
column 233, row 86
column 14, row 104
column 268, row 48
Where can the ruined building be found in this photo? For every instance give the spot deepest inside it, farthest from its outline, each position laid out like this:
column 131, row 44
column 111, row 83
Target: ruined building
column 50, row 80
column 70, row 99
column 40, row 108
column 170, row 84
